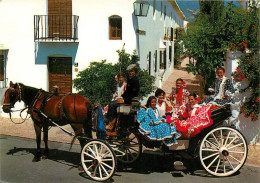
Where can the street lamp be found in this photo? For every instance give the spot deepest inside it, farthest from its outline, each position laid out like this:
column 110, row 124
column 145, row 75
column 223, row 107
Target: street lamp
column 141, row 7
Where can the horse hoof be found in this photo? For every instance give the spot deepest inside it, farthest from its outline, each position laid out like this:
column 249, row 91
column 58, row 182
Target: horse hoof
column 44, row 157
column 80, row 168
column 36, row 159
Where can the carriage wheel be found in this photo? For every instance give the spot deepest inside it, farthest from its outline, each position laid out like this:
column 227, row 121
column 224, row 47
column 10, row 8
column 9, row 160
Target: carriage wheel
column 223, row 151
column 98, row 160
column 132, row 147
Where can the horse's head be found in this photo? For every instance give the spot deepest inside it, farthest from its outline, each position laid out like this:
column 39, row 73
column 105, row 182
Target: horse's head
column 12, row 95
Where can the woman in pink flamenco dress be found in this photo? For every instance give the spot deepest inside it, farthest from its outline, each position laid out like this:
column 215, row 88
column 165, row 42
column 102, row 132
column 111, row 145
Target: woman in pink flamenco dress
column 193, row 117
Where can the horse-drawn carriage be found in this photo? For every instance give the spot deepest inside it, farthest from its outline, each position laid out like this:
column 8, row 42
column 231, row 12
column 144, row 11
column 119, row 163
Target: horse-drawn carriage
column 222, row 150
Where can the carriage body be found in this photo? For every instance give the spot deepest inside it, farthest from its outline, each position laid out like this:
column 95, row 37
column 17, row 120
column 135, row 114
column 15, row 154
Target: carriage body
column 221, row 149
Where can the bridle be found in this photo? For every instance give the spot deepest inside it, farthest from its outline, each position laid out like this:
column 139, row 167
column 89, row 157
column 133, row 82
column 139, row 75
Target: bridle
column 30, row 107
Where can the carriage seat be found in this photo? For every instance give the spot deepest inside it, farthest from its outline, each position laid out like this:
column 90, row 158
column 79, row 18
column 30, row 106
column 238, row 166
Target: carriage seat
column 221, row 113
column 129, row 109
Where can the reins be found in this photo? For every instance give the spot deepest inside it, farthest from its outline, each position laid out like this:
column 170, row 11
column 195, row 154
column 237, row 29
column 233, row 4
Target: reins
column 30, row 108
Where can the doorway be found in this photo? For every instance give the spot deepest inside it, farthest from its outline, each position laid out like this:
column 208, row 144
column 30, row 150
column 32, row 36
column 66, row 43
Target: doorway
column 60, row 75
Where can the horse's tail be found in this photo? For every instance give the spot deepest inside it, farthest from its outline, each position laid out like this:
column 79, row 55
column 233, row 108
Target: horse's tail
column 88, row 124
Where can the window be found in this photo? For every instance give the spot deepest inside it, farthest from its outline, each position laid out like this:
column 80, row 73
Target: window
column 115, row 27
column 154, row 4
column 149, row 62
column 1, row 67
column 155, row 61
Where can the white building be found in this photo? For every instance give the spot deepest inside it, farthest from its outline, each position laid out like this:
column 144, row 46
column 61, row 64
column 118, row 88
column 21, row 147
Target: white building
column 44, row 43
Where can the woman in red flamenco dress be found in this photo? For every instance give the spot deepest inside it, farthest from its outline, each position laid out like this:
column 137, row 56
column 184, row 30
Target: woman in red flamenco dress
column 193, row 117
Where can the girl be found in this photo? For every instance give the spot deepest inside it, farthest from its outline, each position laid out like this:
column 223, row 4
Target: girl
column 222, row 89
column 162, row 105
column 153, row 126
column 193, row 117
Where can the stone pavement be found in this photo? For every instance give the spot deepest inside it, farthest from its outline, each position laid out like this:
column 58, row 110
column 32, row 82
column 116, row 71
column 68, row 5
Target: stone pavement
column 193, row 83
column 26, row 130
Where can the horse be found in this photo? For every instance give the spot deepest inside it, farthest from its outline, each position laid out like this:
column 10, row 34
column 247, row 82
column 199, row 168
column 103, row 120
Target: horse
column 73, row 109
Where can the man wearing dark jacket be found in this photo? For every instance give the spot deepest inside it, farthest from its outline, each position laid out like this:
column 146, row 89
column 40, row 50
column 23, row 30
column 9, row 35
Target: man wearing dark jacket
column 132, row 88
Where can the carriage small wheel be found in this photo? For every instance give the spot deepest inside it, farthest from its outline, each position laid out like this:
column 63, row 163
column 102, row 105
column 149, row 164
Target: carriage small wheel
column 223, row 151
column 98, row 160
column 132, row 147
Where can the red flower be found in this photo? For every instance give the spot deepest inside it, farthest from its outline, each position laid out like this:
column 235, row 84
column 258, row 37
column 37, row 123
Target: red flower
column 229, row 58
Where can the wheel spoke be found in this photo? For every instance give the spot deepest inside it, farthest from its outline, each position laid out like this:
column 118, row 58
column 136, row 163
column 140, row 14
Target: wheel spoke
column 227, row 138
column 87, row 161
column 217, row 166
column 100, row 173
column 211, row 150
column 89, row 167
column 210, row 156
column 212, row 144
column 213, row 161
column 215, row 138
column 131, row 154
column 107, row 165
column 232, row 141
column 236, row 146
column 95, row 171
column 96, row 149
column 230, row 163
column 101, row 150
column 104, row 170
column 234, row 158
column 104, row 155
column 107, row 159
column 92, row 151
column 224, row 167
column 221, row 136
column 89, row 155
column 133, row 149
column 237, row 152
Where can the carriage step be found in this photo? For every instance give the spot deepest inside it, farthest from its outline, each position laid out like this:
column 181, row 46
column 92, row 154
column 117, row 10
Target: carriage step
column 157, row 152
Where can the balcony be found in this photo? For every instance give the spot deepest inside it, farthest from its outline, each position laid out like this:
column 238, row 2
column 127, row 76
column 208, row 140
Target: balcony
column 56, row 28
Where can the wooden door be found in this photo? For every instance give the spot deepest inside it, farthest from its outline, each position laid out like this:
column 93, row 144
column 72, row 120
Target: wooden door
column 60, row 18
column 60, row 74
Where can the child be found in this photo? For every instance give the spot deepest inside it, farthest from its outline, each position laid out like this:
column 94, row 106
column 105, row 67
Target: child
column 154, row 126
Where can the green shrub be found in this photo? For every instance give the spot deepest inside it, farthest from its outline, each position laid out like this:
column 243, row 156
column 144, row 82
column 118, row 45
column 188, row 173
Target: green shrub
column 97, row 82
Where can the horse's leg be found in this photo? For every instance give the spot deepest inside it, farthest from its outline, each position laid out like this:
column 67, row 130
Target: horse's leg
column 78, row 132
column 37, row 128
column 45, row 139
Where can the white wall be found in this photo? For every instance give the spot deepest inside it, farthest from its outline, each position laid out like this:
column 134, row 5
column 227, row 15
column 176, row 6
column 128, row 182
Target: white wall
column 16, row 34
column 250, row 129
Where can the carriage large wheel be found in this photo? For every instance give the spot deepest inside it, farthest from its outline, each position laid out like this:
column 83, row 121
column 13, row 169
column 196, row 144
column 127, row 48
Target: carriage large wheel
column 98, row 160
column 223, row 151
column 132, row 147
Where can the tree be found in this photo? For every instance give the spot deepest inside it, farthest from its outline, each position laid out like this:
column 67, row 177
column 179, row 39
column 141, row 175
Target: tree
column 214, row 31
column 97, row 82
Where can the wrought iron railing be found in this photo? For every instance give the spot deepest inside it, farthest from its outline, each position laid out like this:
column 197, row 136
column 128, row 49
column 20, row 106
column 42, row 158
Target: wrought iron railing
column 55, row 27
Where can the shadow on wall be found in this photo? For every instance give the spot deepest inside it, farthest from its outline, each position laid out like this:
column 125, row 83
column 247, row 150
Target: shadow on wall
column 43, row 50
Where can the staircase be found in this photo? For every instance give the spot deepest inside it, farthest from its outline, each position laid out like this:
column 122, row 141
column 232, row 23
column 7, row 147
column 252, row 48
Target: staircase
column 193, row 83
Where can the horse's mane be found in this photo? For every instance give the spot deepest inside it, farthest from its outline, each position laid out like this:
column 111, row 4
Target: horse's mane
column 30, row 91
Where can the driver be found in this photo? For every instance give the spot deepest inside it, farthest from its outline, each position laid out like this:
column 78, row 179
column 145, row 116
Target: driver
column 132, row 91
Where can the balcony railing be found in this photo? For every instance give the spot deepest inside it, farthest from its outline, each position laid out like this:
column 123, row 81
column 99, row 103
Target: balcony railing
column 55, row 27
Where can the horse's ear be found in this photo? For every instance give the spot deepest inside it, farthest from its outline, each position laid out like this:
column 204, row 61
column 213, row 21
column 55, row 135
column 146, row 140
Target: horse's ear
column 11, row 83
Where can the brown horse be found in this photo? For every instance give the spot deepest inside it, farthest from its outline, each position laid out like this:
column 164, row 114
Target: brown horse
column 72, row 109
